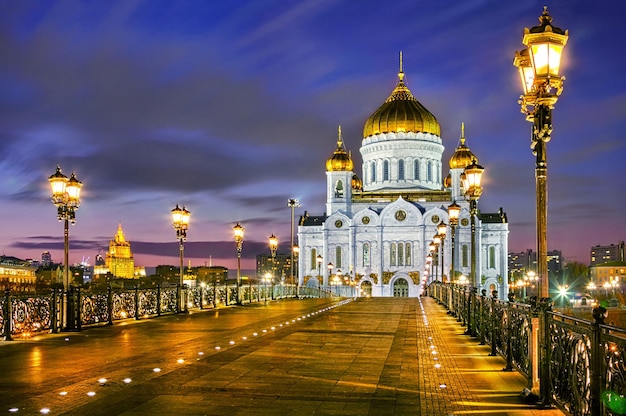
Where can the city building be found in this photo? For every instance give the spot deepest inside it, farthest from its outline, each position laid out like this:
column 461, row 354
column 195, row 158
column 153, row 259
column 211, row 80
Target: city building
column 377, row 229
column 602, row 254
column 17, row 275
column 525, row 262
column 46, row 259
column 608, row 277
column 279, row 267
column 119, row 261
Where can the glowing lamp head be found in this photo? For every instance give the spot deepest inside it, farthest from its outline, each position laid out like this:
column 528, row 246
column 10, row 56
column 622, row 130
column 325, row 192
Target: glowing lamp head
column 441, row 229
column 58, row 182
column 273, row 242
column 472, row 182
column 454, row 211
column 238, row 230
column 319, row 259
column 545, row 45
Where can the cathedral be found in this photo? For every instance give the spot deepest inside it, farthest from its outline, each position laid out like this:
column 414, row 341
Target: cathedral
column 377, row 228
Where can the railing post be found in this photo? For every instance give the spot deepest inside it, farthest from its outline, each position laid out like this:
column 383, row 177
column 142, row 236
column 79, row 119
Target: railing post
column 494, row 320
column 110, row 303
column 69, row 325
column 54, row 312
column 545, row 381
column 8, row 315
column 469, row 330
column 481, row 311
column 597, row 360
column 136, row 303
column 79, row 309
column 159, row 299
column 509, row 331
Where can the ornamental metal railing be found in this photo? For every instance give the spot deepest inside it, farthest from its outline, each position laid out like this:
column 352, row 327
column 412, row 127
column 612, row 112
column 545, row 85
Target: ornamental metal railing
column 24, row 316
column 586, row 371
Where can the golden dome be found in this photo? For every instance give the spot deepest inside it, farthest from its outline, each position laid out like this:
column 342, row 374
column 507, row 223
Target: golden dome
column 357, row 183
column 340, row 160
column 462, row 156
column 447, row 183
column 401, row 112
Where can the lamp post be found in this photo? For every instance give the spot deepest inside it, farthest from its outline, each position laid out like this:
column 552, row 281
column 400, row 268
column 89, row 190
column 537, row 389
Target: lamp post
column 436, row 260
column 292, row 203
column 542, row 85
column 180, row 222
column 273, row 242
column 441, row 230
column 266, row 278
column 471, row 178
column 238, row 231
column 453, row 217
column 295, row 249
column 66, row 197
column 330, row 267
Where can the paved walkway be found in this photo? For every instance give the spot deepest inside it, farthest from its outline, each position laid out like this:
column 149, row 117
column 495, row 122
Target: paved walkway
column 378, row 356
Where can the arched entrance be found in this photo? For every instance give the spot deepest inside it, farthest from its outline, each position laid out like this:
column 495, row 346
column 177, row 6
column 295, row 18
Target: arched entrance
column 366, row 288
column 400, row 288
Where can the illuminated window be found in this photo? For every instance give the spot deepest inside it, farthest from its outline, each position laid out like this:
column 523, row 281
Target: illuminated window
column 464, row 256
column 338, row 256
column 313, row 258
column 492, row 257
column 400, row 254
column 392, row 254
column 407, row 250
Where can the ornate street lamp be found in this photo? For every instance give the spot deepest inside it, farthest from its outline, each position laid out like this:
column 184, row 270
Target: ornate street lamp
column 180, row 222
column 292, row 203
column 539, row 69
column 441, row 230
column 436, row 260
column 330, row 267
column 319, row 261
column 238, row 231
column 273, row 242
column 66, row 197
column 471, row 178
column 454, row 211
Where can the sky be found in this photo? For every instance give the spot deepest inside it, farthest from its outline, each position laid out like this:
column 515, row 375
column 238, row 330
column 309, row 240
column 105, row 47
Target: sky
column 230, row 108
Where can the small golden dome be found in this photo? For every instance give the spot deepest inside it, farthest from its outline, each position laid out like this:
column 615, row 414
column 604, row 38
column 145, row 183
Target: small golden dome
column 401, row 112
column 462, row 156
column 340, row 160
column 447, row 183
column 357, row 183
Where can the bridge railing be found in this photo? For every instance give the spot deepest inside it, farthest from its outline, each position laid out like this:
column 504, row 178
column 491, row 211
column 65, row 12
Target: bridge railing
column 587, row 359
column 24, row 315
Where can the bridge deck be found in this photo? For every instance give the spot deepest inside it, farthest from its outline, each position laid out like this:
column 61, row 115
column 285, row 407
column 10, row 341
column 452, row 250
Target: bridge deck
column 379, row 356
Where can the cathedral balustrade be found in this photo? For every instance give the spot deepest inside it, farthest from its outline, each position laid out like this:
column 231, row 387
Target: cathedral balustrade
column 587, row 359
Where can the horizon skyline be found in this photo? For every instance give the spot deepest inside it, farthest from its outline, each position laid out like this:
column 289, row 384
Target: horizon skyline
column 233, row 109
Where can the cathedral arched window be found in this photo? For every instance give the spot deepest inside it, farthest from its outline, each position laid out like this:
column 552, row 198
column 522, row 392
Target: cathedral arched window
column 416, row 169
column 392, row 254
column 407, row 251
column 464, row 255
column 401, row 169
column 313, row 258
column 492, row 257
column 366, row 255
column 338, row 256
column 385, row 170
column 429, row 171
column 373, row 171
column 339, row 189
column 400, row 254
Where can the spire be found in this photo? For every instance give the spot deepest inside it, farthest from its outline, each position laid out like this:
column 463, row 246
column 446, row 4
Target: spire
column 401, row 73
column 119, row 236
column 339, row 138
column 462, row 140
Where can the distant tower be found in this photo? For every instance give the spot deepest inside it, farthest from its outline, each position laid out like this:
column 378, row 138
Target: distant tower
column 119, row 259
column 46, row 258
